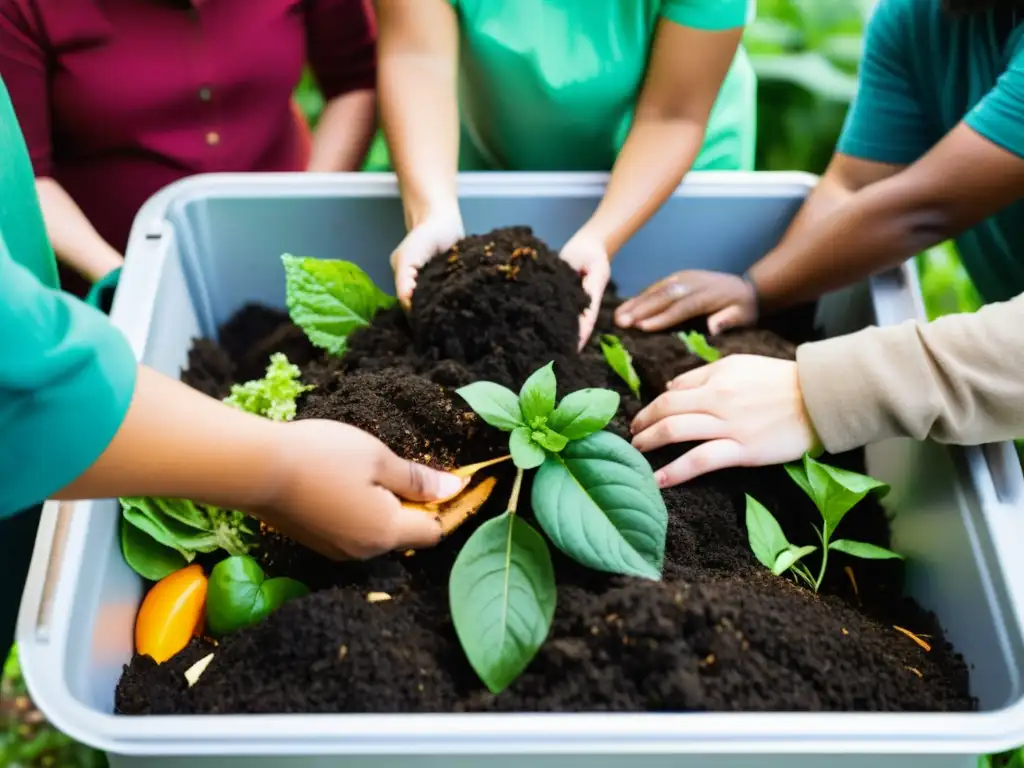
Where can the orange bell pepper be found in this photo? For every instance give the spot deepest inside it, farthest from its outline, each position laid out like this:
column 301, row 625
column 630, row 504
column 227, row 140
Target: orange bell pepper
column 171, row 614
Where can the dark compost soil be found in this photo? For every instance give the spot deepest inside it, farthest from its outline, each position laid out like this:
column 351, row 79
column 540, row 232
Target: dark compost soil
column 718, row 633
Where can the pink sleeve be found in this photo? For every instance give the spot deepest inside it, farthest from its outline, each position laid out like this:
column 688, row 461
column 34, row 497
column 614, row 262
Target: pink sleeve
column 23, row 63
column 342, row 40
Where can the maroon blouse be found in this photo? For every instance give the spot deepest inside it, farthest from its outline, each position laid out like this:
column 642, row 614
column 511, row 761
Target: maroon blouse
column 118, row 98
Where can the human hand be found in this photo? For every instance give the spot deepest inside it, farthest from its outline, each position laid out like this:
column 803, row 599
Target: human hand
column 589, row 257
column 341, row 493
column 745, row 410
column 728, row 300
column 438, row 232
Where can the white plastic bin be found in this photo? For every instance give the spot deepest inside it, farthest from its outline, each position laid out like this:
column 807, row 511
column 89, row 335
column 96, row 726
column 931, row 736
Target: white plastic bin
column 202, row 248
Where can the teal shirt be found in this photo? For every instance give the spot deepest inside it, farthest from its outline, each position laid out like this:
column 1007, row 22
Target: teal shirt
column 551, row 84
column 922, row 74
column 66, row 374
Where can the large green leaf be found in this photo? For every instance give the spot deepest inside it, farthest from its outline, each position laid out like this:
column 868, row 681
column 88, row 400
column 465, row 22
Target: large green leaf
column 584, row 412
column 147, row 556
column 495, row 404
column 764, row 533
column 329, row 299
column 599, row 503
column 502, row 597
column 239, row 595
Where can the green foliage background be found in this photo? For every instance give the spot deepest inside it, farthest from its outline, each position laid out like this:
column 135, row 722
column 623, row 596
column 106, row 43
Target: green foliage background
column 806, row 53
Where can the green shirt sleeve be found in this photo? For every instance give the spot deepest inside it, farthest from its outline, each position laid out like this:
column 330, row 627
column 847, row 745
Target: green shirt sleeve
column 885, row 123
column 66, row 380
column 712, row 15
column 999, row 116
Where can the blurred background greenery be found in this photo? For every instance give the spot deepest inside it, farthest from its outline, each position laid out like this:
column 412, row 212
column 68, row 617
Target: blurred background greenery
column 806, row 53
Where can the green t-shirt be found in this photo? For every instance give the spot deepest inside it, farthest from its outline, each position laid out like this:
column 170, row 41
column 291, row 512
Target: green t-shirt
column 923, row 73
column 550, row 85
column 66, row 374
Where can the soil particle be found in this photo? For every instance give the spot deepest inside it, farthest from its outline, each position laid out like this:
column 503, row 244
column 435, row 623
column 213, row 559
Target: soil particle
column 717, row 633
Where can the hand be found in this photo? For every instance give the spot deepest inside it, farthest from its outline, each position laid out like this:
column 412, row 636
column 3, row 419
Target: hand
column 728, row 300
column 341, row 489
column 589, row 257
column 435, row 234
column 747, row 411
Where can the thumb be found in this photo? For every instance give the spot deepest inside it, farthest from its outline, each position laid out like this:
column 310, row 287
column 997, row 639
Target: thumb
column 730, row 317
column 415, row 529
column 416, row 482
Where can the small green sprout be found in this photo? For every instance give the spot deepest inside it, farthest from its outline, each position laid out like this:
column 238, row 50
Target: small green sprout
column 698, row 345
column 620, row 361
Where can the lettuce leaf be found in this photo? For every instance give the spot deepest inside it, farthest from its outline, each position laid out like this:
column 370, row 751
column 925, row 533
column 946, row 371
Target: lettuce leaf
column 274, row 395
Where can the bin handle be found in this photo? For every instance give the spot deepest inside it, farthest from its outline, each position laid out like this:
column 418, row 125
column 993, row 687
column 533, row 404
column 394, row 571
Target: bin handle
column 61, row 513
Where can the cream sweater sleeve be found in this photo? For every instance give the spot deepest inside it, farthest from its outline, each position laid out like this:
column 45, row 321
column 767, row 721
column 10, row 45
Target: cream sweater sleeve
column 959, row 380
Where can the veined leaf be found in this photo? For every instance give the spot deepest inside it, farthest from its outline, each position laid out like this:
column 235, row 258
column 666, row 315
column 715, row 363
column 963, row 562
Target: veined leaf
column 764, row 534
column 274, row 395
column 789, row 557
column 864, row 550
column 502, row 597
column 537, row 395
column 599, row 503
column 836, row 491
column 526, row 454
column 495, row 404
column 147, row 556
column 584, row 412
column 620, row 361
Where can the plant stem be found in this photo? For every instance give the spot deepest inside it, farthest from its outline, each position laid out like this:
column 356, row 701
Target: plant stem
column 824, row 559
column 513, row 500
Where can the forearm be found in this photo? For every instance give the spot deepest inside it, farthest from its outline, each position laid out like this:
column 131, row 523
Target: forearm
column 419, row 109
column 74, row 240
column 179, row 443
column 343, row 135
column 956, row 380
column 655, row 157
column 848, row 239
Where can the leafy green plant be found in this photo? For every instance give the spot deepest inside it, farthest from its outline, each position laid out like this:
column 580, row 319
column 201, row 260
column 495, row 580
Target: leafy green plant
column 160, row 536
column 274, row 395
column 239, row 595
column 620, row 361
column 329, row 299
column 698, row 345
column 834, row 492
column 595, row 497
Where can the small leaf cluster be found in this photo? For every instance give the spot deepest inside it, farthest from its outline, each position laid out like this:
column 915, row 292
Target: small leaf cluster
column 620, row 361
column 834, row 492
column 274, row 396
column 698, row 346
column 537, row 428
column 595, row 497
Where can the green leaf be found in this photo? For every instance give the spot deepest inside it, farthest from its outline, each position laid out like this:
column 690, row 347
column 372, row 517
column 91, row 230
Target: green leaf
column 146, row 556
column 329, row 299
column 274, row 395
column 837, row 491
column 764, row 533
column 799, row 476
column 526, row 454
column 495, row 404
column 599, row 503
column 864, row 550
column 698, row 345
column 549, row 440
column 620, row 361
column 537, row 395
column 146, row 515
column 789, row 557
column 239, row 595
column 501, row 592
column 584, row 412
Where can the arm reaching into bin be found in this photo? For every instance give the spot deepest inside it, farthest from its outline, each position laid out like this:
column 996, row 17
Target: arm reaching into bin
column 929, row 183
column 691, row 54
column 417, row 60
column 956, row 380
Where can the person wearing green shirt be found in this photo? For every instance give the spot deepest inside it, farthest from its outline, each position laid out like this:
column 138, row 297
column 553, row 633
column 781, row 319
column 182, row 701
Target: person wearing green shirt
column 80, row 419
column 932, row 149
column 649, row 89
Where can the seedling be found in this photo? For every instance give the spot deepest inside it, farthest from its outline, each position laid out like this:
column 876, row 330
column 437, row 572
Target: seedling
column 595, row 497
column 620, row 361
column 698, row 345
column 329, row 299
column 160, row 536
column 834, row 492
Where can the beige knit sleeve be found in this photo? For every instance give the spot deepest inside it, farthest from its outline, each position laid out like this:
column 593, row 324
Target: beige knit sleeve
column 959, row 380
